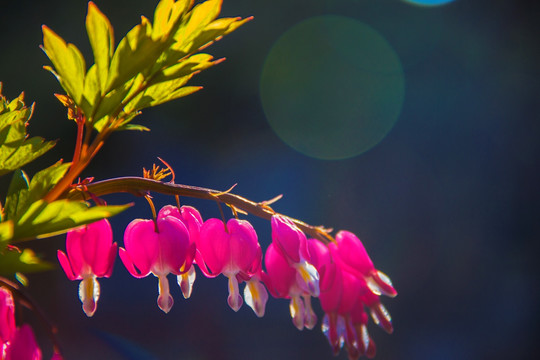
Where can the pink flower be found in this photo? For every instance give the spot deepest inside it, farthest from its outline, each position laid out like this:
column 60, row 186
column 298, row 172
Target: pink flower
column 283, row 281
column 291, row 243
column 234, row 251
column 345, row 293
column 353, row 257
column 193, row 220
column 7, row 319
column 16, row 343
column 23, row 346
column 289, row 240
column 90, row 254
column 160, row 248
column 339, row 293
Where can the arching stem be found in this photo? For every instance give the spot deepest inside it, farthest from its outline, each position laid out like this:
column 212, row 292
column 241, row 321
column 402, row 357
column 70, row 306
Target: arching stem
column 140, row 187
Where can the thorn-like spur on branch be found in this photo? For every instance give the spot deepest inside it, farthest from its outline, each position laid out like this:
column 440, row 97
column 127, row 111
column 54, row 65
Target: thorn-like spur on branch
column 140, row 186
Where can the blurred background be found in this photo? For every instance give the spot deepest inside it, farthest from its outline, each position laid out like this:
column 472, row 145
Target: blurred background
column 410, row 123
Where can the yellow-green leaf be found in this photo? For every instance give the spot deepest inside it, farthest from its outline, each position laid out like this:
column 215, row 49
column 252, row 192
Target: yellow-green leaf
column 190, row 65
column 16, row 149
column 100, row 34
column 68, row 62
column 199, row 17
column 167, row 15
column 14, row 261
column 17, row 194
column 135, row 53
column 215, row 31
column 162, row 92
column 44, row 219
column 91, row 92
column 6, row 233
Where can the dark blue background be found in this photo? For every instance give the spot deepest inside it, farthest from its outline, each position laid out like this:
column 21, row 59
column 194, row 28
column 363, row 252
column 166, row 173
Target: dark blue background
column 446, row 204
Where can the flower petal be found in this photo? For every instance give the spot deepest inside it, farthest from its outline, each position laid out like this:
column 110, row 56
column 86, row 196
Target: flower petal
column 23, row 345
column 7, row 316
column 165, row 300
column 256, row 296
column 213, row 245
column 141, row 242
column 289, row 239
column 128, row 263
column 186, row 280
column 243, row 246
column 89, row 292
column 234, row 299
column 281, row 275
column 296, row 307
column 173, row 242
column 66, row 265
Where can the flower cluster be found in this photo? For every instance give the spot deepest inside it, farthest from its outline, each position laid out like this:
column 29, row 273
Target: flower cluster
column 16, row 343
column 339, row 273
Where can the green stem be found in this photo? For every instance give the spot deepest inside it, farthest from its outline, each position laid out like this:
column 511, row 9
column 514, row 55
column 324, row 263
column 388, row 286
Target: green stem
column 139, row 186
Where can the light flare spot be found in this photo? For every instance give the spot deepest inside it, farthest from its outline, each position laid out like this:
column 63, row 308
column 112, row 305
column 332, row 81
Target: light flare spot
column 332, row 87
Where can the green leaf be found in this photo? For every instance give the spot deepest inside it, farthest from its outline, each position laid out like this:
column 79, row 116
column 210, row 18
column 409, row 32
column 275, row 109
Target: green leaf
column 91, row 92
column 135, row 53
column 17, row 193
column 100, row 34
column 110, row 103
column 162, row 92
column 68, row 62
column 43, row 181
column 215, row 31
column 22, row 193
column 199, row 18
column 188, row 66
column 44, row 219
column 167, row 15
column 15, row 261
column 136, row 127
column 6, row 233
column 16, row 149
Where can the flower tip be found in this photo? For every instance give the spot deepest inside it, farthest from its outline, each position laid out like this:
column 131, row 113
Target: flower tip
column 89, row 307
column 235, row 301
column 382, row 318
column 165, row 302
column 380, row 284
column 186, row 282
column 371, row 351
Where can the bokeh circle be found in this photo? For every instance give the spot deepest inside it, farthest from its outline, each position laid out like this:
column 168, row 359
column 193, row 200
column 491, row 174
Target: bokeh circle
column 332, row 87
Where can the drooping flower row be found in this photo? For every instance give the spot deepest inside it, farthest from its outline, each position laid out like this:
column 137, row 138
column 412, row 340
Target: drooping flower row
column 340, row 274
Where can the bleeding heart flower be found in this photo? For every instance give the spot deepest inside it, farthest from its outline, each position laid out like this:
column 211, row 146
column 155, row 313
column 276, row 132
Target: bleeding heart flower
column 160, row 248
column 90, row 255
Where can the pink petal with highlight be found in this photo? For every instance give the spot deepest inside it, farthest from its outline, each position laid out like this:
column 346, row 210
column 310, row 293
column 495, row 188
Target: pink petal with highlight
column 7, row 316
column 23, row 345
column 141, row 242
column 289, row 239
column 243, row 246
column 280, row 274
column 173, row 243
column 213, row 245
column 66, row 266
column 352, row 252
